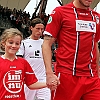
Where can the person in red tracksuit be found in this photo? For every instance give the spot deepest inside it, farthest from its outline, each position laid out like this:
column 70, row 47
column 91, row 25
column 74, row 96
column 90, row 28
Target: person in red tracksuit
column 76, row 27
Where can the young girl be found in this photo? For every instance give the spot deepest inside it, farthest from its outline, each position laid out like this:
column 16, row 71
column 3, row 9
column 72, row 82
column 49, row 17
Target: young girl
column 14, row 71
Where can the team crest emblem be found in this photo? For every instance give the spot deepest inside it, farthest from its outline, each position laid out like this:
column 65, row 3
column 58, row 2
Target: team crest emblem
column 97, row 19
column 49, row 20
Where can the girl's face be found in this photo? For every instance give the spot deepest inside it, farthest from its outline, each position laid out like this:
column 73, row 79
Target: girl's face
column 12, row 45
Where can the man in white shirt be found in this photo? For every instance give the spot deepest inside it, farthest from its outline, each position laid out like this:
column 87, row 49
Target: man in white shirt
column 31, row 50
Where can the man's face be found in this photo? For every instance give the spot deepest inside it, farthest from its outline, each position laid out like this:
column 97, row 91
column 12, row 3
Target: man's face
column 37, row 31
column 85, row 3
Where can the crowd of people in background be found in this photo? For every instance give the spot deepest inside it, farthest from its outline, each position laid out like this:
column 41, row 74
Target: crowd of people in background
column 20, row 19
column 76, row 34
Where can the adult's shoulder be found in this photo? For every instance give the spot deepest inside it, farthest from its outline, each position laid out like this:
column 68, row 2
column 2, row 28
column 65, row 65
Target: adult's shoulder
column 95, row 12
column 65, row 5
column 97, row 16
column 21, row 59
column 26, row 40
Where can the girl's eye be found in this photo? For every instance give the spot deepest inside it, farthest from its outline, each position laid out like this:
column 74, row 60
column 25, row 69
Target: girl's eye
column 10, row 42
column 17, row 43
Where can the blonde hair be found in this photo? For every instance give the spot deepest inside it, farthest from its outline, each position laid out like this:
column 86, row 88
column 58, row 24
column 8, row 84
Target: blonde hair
column 8, row 33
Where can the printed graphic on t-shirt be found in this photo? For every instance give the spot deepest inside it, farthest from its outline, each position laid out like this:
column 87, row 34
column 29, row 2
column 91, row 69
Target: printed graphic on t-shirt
column 13, row 83
column 86, row 26
column 36, row 54
column 50, row 20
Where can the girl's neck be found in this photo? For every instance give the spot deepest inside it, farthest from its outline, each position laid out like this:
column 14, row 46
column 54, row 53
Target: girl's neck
column 9, row 57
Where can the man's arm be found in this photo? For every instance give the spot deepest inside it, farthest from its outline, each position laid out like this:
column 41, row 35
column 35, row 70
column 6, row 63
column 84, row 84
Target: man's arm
column 97, row 59
column 47, row 55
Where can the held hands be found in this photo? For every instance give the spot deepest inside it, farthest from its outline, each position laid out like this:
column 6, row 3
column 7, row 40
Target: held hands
column 52, row 81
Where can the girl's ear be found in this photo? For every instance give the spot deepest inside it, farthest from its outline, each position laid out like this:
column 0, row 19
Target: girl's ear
column 3, row 46
column 3, row 43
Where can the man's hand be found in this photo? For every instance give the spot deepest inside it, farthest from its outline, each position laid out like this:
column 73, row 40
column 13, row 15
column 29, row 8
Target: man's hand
column 52, row 81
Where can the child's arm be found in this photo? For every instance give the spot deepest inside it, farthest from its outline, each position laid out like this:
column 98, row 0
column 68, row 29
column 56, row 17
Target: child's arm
column 37, row 85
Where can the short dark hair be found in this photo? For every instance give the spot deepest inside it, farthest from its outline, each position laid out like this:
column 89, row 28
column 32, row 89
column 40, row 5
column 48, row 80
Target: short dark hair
column 36, row 21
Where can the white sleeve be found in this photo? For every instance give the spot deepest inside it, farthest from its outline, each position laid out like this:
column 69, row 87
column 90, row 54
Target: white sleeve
column 21, row 49
column 46, row 33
